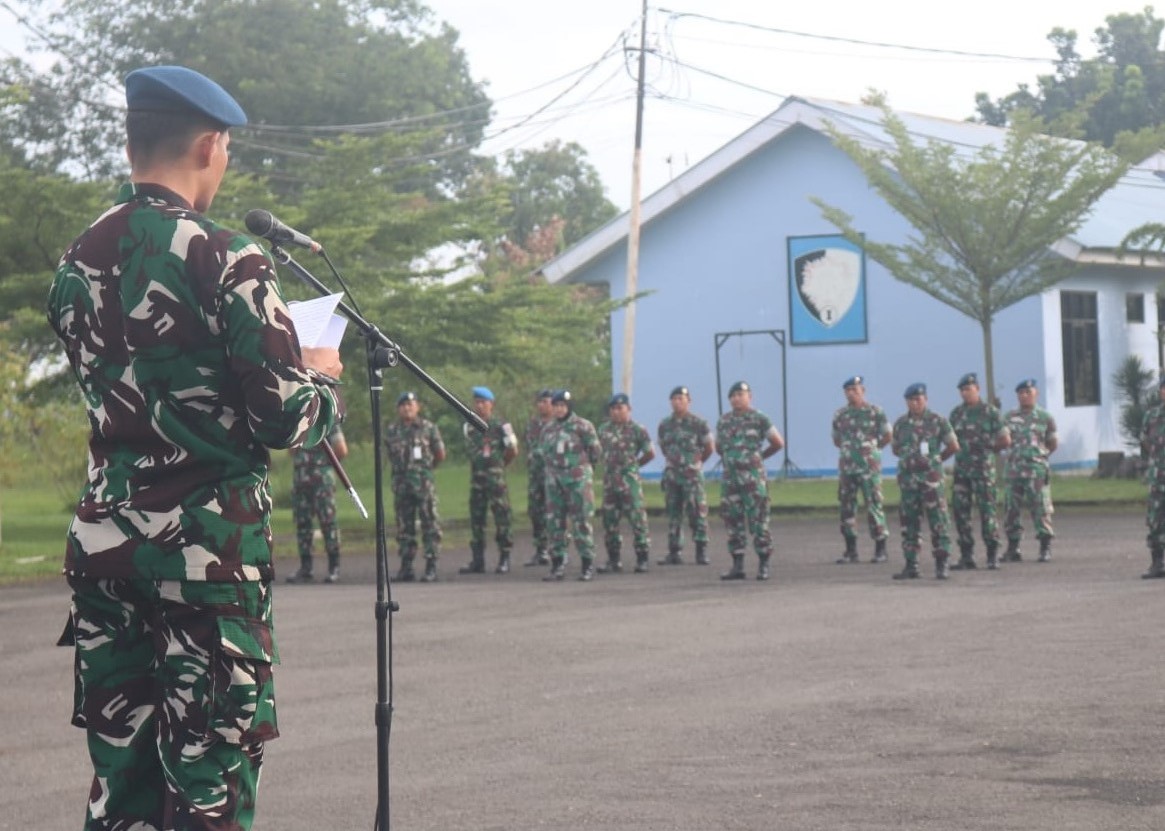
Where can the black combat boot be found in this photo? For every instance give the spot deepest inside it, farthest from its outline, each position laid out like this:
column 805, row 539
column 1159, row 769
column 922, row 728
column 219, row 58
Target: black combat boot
column 333, row 570
column 588, row 571
column 909, row 571
column 540, row 558
column 942, row 567
column 476, row 564
column 992, row 555
column 1012, row 554
column 672, row 559
column 762, row 570
column 702, row 554
column 1157, row 568
column 879, row 552
column 430, row 575
column 1045, row 550
column 614, row 565
column 406, row 573
column 557, row 570
column 966, row 559
column 850, row 555
column 302, row 574
column 737, row 570
column 503, row 563
column 640, row 562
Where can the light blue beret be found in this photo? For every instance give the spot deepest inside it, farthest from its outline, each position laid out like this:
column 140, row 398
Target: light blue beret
column 483, row 393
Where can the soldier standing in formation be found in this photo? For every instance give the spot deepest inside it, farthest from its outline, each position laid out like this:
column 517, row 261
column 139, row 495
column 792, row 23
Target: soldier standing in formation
column 1153, row 451
column 744, row 439
column 923, row 440
column 981, row 433
column 536, row 472
column 686, row 443
column 313, row 495
column 626, row 447
column 572, row 450
column 1029, row 486
column 489, row 453
column 860, row 431
column 414, row 448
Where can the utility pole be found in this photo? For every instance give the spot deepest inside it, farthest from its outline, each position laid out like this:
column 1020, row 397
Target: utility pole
column 633, row 232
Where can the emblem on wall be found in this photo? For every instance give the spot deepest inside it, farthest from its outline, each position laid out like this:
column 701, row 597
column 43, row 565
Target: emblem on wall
column 827, row 284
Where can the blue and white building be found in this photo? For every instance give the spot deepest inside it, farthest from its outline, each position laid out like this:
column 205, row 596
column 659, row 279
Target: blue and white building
column 744, row 279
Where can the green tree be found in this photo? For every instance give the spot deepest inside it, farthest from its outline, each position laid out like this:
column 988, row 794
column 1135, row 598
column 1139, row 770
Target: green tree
column 1136, row 388
column 983, row 223
column 1121, row 89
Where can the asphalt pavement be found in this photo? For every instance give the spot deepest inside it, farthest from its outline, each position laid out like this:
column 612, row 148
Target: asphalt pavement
column 1029, row 698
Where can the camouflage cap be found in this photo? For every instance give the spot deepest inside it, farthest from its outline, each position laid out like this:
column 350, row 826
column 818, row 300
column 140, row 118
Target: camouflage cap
column 176, row 89
column 914, row 389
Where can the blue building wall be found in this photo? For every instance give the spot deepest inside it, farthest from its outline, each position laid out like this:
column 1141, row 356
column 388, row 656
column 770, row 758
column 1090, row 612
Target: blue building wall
column 716, row 262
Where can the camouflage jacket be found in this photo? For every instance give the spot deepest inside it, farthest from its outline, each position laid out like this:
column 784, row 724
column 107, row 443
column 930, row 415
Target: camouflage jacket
column 1031, row 434
column 977, row 427
column 178, row 336
column 535, row 453
column 572, row 449
column 412, row 451
column 623, row 445
column 741, row 437
column 918, row 443
column 1153, row 442
column 487, row 451
column 858, row 433
column 682, row 441
column 311, row 469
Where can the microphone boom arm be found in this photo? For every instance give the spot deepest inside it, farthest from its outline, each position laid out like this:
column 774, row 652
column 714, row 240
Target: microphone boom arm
column 390, row 353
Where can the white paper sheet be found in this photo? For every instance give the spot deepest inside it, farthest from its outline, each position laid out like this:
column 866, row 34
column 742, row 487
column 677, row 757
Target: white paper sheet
column 316, row 322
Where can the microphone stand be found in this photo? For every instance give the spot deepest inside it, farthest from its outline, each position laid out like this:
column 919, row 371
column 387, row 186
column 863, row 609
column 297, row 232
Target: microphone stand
column 382, row 353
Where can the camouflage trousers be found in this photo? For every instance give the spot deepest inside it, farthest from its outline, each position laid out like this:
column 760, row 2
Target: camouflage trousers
column 173, row 685
column 488, row 493
column 924, row 499
column 619, row 502
column 744, row 505
column 684, row 495
column 870, row 488
column 412, row 503
column 536, row 509
column 318, row 504
column 969, row 489
column 570, row 502
column 1155, row 515
column 1033, row 494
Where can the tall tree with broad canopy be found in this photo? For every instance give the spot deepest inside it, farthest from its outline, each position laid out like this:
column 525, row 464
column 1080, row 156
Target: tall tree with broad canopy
column 1121, row 89
column 983, row 223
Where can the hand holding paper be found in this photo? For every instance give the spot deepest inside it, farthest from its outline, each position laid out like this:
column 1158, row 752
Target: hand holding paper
column 316, row 322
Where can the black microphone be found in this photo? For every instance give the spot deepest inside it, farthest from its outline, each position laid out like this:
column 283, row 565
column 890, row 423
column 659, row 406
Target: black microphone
column 264, row 224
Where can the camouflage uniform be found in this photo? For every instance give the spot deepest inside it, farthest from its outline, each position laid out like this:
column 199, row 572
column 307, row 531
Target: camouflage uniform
column 1029, row 483
column 623, row 445
column 487, row 488
column 536, row 484
column 176, row 331
column 412, row 450
column 858, row 432
column 682, row 441
column 1153, row 450
column 744, row 491
column 977, row 428
column 572, row 450
column 920, row 480
column 313, row 495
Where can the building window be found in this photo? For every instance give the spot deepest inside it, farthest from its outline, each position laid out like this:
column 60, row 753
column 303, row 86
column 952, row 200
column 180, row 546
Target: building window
column 1081, row 349
column 1135, row 308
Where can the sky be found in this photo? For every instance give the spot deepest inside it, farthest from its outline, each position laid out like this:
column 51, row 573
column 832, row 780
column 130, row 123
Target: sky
column 518, row 46
column 559, row 70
